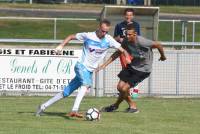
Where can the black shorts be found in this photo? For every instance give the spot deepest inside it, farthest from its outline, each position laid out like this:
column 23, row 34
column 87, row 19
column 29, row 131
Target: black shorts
column 132, row 76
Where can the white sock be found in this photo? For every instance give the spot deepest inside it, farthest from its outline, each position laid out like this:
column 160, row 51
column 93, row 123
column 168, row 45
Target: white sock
column 79, row 97
column 51, row 101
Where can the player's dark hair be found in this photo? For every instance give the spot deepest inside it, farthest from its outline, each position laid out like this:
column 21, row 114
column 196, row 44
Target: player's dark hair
column 129, row 10
column 130, row 27
column 105, row 21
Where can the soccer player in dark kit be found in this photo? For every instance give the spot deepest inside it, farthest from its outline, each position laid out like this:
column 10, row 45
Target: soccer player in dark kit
column 140, row 50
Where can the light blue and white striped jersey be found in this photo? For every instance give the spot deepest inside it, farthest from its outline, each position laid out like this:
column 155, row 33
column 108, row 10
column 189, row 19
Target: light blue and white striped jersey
column 95, row 49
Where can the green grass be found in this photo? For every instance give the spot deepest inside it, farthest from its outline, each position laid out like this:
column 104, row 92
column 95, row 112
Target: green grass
column 180, row 9
column 165, row 31
column 43, row 29
column 40, row 29
column 157, row 116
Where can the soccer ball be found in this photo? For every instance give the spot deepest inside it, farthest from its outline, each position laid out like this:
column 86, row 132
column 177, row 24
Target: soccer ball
column 92, row 114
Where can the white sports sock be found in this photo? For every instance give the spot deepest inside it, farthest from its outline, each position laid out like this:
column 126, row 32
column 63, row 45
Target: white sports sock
column 79, row 97
column 51, row 101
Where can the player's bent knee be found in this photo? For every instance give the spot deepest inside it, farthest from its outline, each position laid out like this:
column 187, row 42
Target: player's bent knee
column 124, row 89
column 121, row 90
column 119, row 87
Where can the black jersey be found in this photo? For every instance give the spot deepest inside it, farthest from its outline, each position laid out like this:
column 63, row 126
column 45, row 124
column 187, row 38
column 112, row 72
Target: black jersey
column 120, row 29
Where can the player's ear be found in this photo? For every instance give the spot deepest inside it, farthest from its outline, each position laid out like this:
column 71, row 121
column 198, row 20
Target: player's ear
column 135, row 33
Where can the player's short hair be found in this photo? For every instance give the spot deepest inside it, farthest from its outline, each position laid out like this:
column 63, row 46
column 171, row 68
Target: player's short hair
column 130, row 27
column 105, row 21
column 129, row 10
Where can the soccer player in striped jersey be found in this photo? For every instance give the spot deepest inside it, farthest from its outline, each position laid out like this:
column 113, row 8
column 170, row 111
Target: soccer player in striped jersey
column 119, row 34
column 95, row 46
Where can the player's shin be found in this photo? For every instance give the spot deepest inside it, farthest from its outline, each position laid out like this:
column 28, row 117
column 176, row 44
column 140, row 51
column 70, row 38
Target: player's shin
column 51, row 101
column 79, row 98
column 48, row 103
column 119, row 100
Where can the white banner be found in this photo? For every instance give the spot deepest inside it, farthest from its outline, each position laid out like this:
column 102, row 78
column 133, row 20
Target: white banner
column 36, row 69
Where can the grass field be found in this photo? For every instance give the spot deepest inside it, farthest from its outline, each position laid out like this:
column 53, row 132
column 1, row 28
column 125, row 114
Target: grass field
column 157, row 116
column 165, row 32
column 44, row 29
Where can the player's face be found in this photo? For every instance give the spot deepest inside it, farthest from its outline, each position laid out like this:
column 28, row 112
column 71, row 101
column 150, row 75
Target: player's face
column 129, row 16
column 131, row 35
column 103, row 30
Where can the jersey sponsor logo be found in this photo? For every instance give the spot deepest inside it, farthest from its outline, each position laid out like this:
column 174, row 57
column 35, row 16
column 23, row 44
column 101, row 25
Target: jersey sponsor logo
column 97, row 51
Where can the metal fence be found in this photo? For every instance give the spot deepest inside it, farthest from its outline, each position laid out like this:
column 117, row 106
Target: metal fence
column 179, row 75
column 179, row 30
column 176, row 30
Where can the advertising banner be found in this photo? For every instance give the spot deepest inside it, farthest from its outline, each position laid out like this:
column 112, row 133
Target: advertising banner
column 36, row 69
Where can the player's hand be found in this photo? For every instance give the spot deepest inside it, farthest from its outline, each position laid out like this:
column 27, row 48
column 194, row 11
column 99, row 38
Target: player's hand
column 97, row 70
column 128, row 60
column 59, row 49
column 121, row 40
column 162, row 58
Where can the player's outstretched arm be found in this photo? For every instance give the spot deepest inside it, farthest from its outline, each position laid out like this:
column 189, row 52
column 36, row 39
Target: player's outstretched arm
column 66, row 40
column 113, row 57
column 160, row 49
